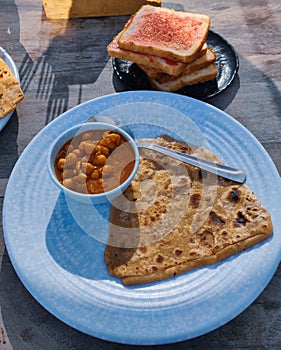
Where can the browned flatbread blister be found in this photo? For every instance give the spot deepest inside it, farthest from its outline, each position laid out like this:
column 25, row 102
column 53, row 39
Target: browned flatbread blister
column 176, row 220
column 10, row 90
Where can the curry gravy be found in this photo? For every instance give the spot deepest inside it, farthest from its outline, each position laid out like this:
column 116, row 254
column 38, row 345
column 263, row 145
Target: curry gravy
column 94, row 161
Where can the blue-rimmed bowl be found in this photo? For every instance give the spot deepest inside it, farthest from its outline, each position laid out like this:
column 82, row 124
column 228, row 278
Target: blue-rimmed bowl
column 82, row 197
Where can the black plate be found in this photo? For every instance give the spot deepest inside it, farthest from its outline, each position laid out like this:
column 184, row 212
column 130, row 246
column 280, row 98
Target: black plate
column 227, row 62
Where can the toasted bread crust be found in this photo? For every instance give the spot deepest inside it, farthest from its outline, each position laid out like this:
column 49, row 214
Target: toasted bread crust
column 201, row 62
column 154, row 62
column 200, row 76
column 165, row 33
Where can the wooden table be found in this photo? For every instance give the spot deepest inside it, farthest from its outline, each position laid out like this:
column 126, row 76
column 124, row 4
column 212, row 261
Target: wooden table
column 63, row 63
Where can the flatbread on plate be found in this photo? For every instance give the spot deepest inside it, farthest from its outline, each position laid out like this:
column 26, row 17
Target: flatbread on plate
column 174, row 218
column 10, row 90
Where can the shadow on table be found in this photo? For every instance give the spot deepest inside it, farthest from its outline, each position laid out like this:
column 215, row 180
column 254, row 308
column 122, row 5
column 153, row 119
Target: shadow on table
column 8, row 146
column 76, row 58
column 27, row 325
column 10, row 40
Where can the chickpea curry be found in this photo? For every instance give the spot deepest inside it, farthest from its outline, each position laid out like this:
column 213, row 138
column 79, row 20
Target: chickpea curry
column 94, row 161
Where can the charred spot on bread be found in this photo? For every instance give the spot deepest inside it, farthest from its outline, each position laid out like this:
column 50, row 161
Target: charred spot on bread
column 234, row 195
column 195, row 200
column 216, row 219
column 240, row 219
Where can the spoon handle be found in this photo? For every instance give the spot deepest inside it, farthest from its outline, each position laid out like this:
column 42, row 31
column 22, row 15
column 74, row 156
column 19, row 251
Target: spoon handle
column 225, row 171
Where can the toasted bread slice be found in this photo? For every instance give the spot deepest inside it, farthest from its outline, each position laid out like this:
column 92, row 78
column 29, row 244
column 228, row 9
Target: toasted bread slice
column 200, row 76
column 166, row 33
column 153, row 63
column 201, row 62
column 167, row 67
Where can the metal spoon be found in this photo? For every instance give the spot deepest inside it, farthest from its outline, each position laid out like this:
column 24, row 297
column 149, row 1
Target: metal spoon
column 222, row 170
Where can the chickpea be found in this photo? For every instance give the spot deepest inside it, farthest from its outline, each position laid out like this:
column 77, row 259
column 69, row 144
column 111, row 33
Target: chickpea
column 68, row 183
column 83, row 167
column 99, row 149
column 99, row 188
column 95, row 174
column 85, row 159
column 80, row 178
column 67, row 174
column 100, row 159
column 91, row 186
column 78, row 167
column 116, row 138
column 105, row 141
column 61, row 164
column 111, row 140
column 77, row 152
column 100, row 171
column 105, row 151
column 87, row 168
column 95, row 186
column 100, row 182
column 86, row 136
column 82, row 188
column 70, row 159
column 79, row 187
column 86, row 147
column 81, row 146
column 107, row 171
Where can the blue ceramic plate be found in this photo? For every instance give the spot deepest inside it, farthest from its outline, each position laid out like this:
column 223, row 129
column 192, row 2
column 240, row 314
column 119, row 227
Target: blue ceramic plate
column 51, row 248
column 7, row 58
